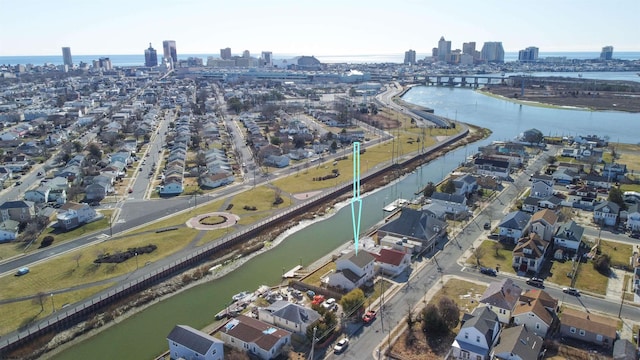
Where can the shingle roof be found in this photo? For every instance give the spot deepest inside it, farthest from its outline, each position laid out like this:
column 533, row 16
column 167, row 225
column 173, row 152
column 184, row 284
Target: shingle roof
column 484, row 321
column 362, row 259
column 590, row 322
column 415, row 224
column 542, row 296
column 503, row 294
column 255, row 331
column 533, row 306
column 515, row 220
column 519, row 341
column 454, row 198
column 390, row 256
column 532, row 242
column 191, row 338
column 547, row 215
column 293, row 312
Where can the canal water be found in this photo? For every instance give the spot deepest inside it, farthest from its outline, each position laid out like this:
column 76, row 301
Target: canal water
column 143, row 335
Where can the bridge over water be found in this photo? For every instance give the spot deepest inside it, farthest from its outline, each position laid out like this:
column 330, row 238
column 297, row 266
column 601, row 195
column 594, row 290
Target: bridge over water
column 463, row 80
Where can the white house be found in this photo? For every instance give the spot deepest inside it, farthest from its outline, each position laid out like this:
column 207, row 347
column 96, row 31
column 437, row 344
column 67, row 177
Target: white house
column 8, row 230
column 465, row 184
column 633, row 217
column 529, row 254
column 392, row 262
column 454, row 204
column 74, row 214
column 352, row 271
column 254, row 336
column 606, row 213
column 39, row 195
column 544, row 223
column 186, row 342
column 536, row 309
column 478, row 334
column 288, row 316
column 541, row 186
column 514, row 225
column 569, row 236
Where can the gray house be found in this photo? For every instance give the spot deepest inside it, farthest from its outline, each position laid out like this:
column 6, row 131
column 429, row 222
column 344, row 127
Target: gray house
column 514, row 225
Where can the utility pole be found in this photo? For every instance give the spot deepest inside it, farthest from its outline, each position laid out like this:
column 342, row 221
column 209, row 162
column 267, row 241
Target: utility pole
column 313, row 343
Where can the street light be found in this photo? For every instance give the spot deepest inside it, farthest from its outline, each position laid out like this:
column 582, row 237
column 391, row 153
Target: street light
column 53, row 305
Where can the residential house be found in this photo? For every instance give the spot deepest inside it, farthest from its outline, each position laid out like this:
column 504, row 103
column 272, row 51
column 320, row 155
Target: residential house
column 435, row 210
column 71, row 172
column 215, row 180
column 588, row 327
column 541, row 186
column 255, row 337
column 490, row 167
column 39, row 195
column 465, row 184
column 289, row 316
column 529, row 254
column 186, row 342
column 633, row 217
column 392, row 262
column 352, row 271
column 96, row 191
column 456, row 205
column 73, row 214
column 598, row 181
column 550, row 202
column 501, row 297
column 478, row 334
column 415, row 225
column 172, row 186
column 614, row 171
column 278, row 161
column 564, row 175
column 8, row 230
column 606, row 213
column 514, row 225
column 530, row 204
column 544, row 223
column 401, row 244
column 518, row 343
column 569, row 236
column 20, row 210
column 536, row 309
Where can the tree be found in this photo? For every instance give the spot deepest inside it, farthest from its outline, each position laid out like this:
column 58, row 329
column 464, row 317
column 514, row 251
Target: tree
column 39, row 299
column 334, row 146
column 449, row 311
column 276, row 140
column 551, row 159
column 432, row 322
column 602, row 264
column 352, row 300
column 448, row 187
column 429, row 189
column 479, row 254
column 497, row 246
column 77, row 256
column 616, row 196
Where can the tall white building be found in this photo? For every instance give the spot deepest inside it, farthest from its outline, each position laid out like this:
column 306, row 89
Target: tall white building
column 444, row 49
column 66, row 56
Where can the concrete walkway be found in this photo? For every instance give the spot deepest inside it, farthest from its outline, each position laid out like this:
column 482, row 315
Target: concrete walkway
column 615, row 285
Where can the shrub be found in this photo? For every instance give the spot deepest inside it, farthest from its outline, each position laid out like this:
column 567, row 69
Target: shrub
column 602, row 263
column 47, row 241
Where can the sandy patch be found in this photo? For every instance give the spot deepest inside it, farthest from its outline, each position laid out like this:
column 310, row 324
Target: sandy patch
column 306, row 195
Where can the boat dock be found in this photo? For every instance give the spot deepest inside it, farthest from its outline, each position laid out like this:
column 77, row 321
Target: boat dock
column 292, row 273
column 395, row 205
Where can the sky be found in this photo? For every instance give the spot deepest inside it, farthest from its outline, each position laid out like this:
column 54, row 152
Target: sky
column 320, row 28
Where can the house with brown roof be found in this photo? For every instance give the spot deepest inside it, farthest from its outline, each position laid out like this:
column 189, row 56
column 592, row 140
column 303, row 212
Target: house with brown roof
column 255, row 337
column 392, row 262
column 588, row 327
column 529, row 254
column 544, row 223
column 501, row 297
column 536, row 309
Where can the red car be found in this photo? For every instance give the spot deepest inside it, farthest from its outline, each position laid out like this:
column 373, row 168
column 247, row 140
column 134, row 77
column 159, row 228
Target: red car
column 317, row 300
column 369, row 316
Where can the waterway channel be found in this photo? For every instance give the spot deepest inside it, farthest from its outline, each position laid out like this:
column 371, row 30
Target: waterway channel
column 143, row 335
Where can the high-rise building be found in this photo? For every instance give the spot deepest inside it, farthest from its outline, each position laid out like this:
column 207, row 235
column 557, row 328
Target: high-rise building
column 246, row 54
column 66, row 56
column 492, row 51
column 150, row 57
column 410, row 57
column 267, row 58
column 607, row 53
column 444, row 49
column 105, row 63
column 169, row 51
column 225, row 54
column 529, row 54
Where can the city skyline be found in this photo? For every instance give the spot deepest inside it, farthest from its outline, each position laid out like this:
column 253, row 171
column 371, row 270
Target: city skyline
column 330, row 28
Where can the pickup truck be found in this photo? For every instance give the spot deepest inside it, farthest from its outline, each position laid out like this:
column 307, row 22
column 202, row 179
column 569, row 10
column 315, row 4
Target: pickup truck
column 369, row 316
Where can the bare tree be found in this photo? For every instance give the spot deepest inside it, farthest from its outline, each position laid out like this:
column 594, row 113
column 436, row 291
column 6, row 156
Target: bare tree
column 497, row 246
column 77, row 258
column 479, row 254
column 39, row 299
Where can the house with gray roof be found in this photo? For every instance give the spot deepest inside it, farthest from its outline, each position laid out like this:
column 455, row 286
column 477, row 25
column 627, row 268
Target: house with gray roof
column 288, row 316
column 501, row 297
column 415, row 225
column 465, row 184
column 517, row 343
column 569, row 236
column 606, row 213
column 8, row 230
column 20, row 210
column 541, row 186
column 514, row 225
column 456, row 205
column 186, row 342
column 352, row 271
column 478, row 334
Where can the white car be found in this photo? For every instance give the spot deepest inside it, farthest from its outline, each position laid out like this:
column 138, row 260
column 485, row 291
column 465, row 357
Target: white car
column 330, row 303
column 341, row 345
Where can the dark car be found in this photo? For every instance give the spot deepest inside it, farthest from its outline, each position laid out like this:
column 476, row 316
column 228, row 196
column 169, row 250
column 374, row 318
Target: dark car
column 488, row 271
column 571, row 291
column 635, row 235
column 535, row 282
column 487, row 226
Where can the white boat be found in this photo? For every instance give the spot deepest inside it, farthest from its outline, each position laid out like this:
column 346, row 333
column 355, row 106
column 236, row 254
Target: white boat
column 395, row 205
column 239, row 296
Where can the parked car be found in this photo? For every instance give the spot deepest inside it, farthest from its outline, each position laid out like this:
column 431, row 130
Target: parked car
column 369, row 316
column 341, row 346
column 488, row 271
column 571, row 291
column 635, row 235
column 22, row 271
column 487, row 226
column 329, row 304
column 535, row 282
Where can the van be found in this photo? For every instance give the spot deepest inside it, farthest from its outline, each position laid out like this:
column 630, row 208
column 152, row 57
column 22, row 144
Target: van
column 22, row 271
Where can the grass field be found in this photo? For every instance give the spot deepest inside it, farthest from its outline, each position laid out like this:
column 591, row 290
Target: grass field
column 619, row 253
column 503, row 260
column 315, row 277
column 464, row 293
column 588, row 279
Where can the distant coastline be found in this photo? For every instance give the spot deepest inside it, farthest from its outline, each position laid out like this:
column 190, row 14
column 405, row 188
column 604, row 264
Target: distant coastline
column 138, row 59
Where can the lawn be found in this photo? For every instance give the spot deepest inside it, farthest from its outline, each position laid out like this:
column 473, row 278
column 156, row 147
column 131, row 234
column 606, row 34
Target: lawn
column 22, row 313
column 588, row 279
column 464, row 293
column 502, row 260
column 261, row 197
column 630, row 187
column 559, row 271
column 315, row 277
column 379, row 287
column 181, row 219
column 77, row 267
column 619, row 253
column 83, row 230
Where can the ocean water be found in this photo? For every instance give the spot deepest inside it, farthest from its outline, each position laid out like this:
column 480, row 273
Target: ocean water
column 138, row 59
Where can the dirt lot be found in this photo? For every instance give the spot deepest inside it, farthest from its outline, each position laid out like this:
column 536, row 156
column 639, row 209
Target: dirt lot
column 574, row 94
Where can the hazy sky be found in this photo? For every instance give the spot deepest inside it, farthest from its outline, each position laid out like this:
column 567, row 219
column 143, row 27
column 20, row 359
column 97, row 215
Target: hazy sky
column 321, row 27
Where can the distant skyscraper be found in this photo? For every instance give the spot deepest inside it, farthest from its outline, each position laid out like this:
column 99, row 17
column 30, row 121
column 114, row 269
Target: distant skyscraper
column 444, row 49
column 410, row 57
column 469, row 48
column 169, row 51
column 267, row 58
column 492, row 51
column 607, row 53
column 105, row 63
column 246, row 54
column 225, row 54
column 529, row 54
column 150, row 57
column 66, row 56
